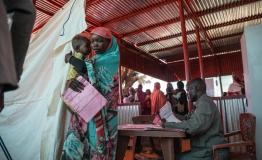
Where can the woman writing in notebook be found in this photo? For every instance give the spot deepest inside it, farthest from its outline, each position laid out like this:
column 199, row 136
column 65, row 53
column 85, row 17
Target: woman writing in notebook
column 99, row 142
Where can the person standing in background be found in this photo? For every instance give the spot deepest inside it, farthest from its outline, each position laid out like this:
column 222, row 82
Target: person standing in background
column 147, row 110
column 181, row 106
column 237, row 87
column 158, row 99
column 132, row 93
column 170, row 95
column 140, row 96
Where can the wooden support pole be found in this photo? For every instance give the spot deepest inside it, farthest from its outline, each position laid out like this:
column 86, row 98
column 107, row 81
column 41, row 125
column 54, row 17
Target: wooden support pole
column 200, row 53
column 184, row 40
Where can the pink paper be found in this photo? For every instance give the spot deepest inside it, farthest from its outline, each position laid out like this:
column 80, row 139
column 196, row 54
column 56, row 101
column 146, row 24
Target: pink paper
column 86, row 103
column 157, row 120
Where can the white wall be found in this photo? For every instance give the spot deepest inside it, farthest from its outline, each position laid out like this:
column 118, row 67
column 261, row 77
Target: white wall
column 251, row 45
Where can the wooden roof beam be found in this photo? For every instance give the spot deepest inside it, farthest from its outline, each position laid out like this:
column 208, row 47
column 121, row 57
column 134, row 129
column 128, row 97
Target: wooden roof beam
column 198, row 14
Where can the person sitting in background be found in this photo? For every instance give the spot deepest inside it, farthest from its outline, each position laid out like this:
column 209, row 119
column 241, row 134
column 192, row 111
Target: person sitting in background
column 237, row 87
column 181, row 107
column 158, row 99
column 204, row 125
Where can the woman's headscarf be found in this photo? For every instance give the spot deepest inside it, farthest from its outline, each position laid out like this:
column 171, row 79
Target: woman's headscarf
column 102, row 67
column 103, row 32
column 158, row 99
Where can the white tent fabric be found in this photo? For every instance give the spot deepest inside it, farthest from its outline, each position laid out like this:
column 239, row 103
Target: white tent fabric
column 33, row 122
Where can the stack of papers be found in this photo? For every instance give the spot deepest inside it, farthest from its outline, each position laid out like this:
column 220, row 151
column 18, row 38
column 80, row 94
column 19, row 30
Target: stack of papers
column 167, row 114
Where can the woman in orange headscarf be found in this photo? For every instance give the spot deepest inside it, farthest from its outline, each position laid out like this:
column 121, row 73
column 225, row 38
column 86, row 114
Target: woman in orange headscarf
column 98, row 142
column 158, row 99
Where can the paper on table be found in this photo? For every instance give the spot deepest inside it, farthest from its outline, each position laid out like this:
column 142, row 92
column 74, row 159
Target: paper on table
column 166, row 113
column 148, row 127
column 139, row 126
column 86, row 103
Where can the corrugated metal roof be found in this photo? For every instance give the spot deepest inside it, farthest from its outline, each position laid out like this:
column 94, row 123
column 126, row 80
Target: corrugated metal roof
column 107, row 10
column 227, row 41
column 232, row 14
column 201, row 5
column 155, row 25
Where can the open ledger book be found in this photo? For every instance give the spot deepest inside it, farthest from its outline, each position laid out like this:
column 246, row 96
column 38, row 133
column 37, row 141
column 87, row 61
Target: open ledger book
column 86, row 103
column 167, row 114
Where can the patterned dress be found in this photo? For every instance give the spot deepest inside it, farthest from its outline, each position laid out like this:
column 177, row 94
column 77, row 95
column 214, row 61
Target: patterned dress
column 97, row 139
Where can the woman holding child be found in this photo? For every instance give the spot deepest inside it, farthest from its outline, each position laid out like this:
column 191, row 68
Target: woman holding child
column 99, row 139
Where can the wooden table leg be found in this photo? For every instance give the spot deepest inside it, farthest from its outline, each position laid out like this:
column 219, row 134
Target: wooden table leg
column 122, row 142
column 167, row 146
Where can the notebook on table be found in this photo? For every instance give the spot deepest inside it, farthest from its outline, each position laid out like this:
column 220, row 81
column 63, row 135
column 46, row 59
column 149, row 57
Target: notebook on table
column 86, row 103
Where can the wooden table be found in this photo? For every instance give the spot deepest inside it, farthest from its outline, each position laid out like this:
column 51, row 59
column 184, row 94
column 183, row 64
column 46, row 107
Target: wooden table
column 167, row 140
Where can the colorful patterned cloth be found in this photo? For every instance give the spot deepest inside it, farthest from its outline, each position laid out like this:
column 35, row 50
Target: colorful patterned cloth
column 98, row 141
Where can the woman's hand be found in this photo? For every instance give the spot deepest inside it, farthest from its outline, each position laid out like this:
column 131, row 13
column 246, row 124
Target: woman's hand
column 67, row 57
column 75, row 85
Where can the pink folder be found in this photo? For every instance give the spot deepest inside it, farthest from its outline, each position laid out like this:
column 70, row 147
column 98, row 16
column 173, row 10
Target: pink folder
column 86, row 103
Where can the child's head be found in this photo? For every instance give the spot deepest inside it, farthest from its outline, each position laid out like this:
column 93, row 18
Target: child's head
column 81, row 44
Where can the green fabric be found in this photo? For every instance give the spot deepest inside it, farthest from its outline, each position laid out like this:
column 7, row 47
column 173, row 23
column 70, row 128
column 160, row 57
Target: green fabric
column 105, row 66
column 73, row 147
column 101, row 69
column 204, row 126
column 91, row 133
